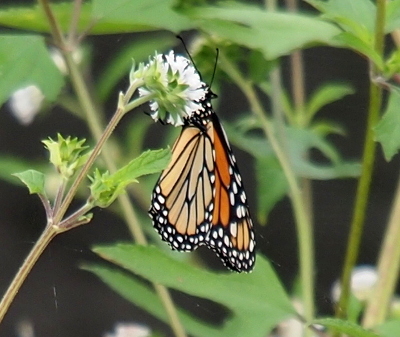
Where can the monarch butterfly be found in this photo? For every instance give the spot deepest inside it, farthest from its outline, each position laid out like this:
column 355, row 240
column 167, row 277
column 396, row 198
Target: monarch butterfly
column 199, row 198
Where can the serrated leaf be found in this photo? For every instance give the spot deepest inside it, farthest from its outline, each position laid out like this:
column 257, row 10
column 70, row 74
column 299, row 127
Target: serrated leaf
column 148, row 162
column 387, row 131
column 326, row 94
column 35, row 67
column 34, row 180
column 341, row 326
column 273, row 33
column 257, row 300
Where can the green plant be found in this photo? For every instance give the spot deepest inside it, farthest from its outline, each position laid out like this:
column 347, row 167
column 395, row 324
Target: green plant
column 252, row 42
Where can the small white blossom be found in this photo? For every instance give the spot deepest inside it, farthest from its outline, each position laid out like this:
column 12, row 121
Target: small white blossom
column 25, row 103
column 59, row 61
column 363, row 280
column 129, row 330
column 175, row 84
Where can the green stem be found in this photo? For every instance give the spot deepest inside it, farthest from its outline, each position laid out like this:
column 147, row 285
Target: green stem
column 48, row 234
column 388, row 270
column 95, row 126
column 98, row 147
column 364, row 183
column 304, row 230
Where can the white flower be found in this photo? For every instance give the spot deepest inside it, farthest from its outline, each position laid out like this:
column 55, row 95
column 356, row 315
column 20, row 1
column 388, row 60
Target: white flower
column 129, row 330
column 175, row 85
column 25, row 103
column 59, row 61
column 363, row 280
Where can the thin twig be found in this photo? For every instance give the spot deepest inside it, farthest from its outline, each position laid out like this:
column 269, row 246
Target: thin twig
column 48, row 234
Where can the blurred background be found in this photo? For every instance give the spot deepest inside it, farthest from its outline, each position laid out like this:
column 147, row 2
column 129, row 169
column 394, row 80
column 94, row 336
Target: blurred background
column 61, row 300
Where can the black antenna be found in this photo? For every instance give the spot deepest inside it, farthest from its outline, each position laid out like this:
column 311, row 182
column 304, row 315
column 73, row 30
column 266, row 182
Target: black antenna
column 187, row 52
column 215, row 67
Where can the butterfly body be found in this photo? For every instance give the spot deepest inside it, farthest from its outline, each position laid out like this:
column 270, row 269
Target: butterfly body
column 199, row 198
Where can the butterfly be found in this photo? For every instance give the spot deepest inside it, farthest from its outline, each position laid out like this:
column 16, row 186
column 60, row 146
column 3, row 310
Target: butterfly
column 199, row 199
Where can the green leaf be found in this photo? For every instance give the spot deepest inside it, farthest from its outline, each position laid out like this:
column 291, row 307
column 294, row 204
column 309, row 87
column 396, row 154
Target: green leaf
column 273, row 33
column 106, row 187
column 359, row 15
column 9, row 165
column 301, row 141
column 144, row 297
column 392, row 16
column 390, row 328
column 365, row 48
column 257, row 300
column 149, row 162
column 32, row 18
column 101, row 16
column 35, row 67
column 34, row 180
column 341, row 326
column 119, row 67
column 137, row 15
column 387, row 131
column 325, row 128
column 271, row 186
column 326, row 94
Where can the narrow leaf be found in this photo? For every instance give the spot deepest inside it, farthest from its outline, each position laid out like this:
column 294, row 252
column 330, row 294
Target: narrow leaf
column 326, row 94
column 34, row 180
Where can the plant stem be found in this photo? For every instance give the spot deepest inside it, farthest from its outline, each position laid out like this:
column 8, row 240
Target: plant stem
column 95, row 126
column 388, row 269
column 389, row 259
column 48, row 234
column 304, row 230
column 364, row 183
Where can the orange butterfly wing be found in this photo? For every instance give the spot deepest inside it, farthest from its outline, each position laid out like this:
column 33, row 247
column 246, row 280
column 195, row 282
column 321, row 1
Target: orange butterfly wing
column 231, row 234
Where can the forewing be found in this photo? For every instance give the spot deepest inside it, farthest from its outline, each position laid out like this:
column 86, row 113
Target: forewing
column 182, row 199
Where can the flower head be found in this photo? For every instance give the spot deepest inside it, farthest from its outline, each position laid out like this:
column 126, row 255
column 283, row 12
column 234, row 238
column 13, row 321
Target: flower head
column 175, row 86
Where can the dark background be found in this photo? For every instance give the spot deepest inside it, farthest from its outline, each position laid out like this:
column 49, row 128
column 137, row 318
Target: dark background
column 61, row 300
